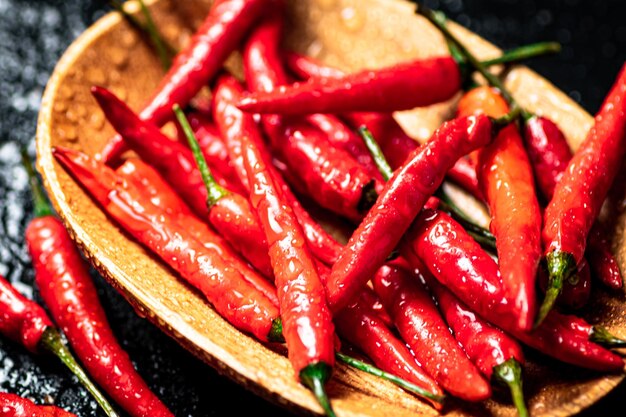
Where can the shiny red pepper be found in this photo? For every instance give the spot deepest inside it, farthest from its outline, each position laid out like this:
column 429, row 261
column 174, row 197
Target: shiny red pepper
column 68, row 291
column 332, row 176
column 496, row 354
column 582, row 189
column 507, row 182
column 70, row 295
column 420, row 324
column 12, row 405
column 398, row 87
column 147, row 180
column 460, row 264
column 403, row 197
column 550, row 153
column 227, row 211
column 202, row 58
column 438, row 243
column 234, row 125
column 395, row 143
column 22, row 320
column 232, row 296
column 342, row 136
column 363, row 328
column 307, row 322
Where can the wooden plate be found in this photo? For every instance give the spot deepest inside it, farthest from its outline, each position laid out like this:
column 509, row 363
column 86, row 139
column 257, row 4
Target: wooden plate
column 350, row 34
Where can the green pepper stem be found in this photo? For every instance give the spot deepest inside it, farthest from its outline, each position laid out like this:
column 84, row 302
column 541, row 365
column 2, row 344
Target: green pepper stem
column 51, row 341
column 509, row 373
column 42, row 206
column 560, row 266
column 164, row 51
column 214, row 191
column 276, row 331
column 314, row 377
column 370, row 369
column 439, row 20
column 524, row 52
column 155, row 37
column 376, row 152
column 601, row 336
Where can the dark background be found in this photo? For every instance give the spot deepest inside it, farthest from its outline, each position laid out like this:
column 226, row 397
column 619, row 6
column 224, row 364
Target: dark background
column 34, row 34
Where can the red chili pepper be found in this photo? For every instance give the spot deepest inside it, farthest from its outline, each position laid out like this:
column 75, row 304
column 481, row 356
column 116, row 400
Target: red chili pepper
column 459, row 263
column 69, row 293
column 402, row 86
column 219, row 35
column 26, row 322
column 420, row 324
column 506, row 179
column 228, row 212
column 395, row 143
column 333, row 178
column 146, row 180
column 343, row 137
column 363, row 328
column 233, row 297
column 307, row 322
column 234, row 125
column 601, row 258
column 403, row 197
column 496, row 354
column 550, row 153
column 580, row 193
column 399, row 87
column 12, row 405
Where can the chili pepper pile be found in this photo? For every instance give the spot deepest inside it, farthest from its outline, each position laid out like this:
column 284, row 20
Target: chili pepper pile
column 439, row 305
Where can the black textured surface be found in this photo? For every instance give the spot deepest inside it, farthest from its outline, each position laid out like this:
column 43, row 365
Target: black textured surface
column 34, row 34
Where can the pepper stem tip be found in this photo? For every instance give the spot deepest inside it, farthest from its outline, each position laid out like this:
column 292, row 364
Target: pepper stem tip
column 314, row 377
column 560, row 266
column 509, row 373
column 52, row 342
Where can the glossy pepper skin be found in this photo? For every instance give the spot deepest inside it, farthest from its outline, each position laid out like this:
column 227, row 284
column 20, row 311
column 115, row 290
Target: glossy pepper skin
column 579, row 195
column 234, row 125
column 307, row 321
column 498, row 356
column 399, row 203
column 505, row 176
column 437, row 242
column 395, row 143
column 550, row 153
column 234, row 298
column 69, row 293
column 457, row 261
column 12, row 405
column 362, row 327
column 230, row 214
column 146, row 180
column 399, row 87
column 21, row 320
column 331, row 176
column 421, row 326
column 201, row 59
